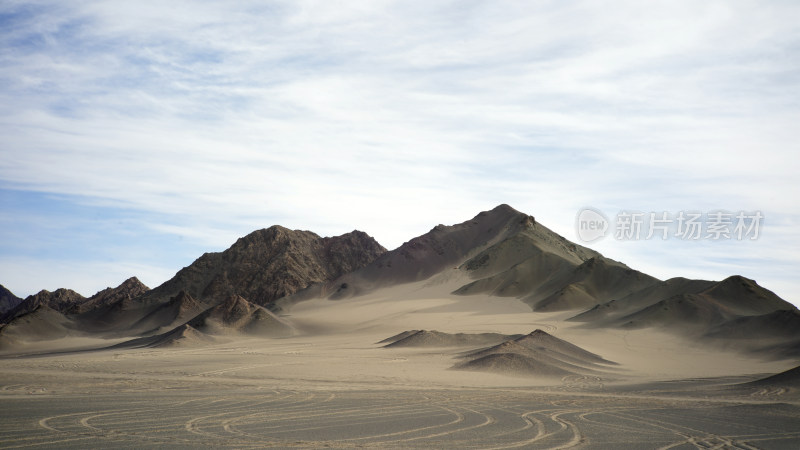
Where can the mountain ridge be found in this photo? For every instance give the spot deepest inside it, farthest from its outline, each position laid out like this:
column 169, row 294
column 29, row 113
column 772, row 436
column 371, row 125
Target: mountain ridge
column 297, row 258
column 498, row 253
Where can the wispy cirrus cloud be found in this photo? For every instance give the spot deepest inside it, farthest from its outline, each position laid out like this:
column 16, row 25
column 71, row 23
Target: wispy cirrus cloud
column 209, row 120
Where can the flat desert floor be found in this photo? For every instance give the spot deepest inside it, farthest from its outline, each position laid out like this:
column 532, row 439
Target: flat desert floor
column 333, row 385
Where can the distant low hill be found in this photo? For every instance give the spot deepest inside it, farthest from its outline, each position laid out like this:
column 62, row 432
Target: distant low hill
column 433, row 338
column 234, row 316
column 51, row 315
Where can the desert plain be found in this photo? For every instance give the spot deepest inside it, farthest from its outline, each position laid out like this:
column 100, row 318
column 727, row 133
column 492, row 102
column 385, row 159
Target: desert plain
column 333, row 383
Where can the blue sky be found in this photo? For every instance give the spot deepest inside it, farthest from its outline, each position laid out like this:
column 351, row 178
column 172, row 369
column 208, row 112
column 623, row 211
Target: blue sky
column 138, row 135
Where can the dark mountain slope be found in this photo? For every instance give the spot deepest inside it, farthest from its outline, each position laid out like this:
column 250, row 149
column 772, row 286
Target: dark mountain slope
column 269, row 264
column 178, row 310
column 61, row 300
column 606, row 312
column 237, row 315
column 8, row 300
column 261, row 267
column 128, row 290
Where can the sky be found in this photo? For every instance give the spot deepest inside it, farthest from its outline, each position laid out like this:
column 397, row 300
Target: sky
column 138, row 135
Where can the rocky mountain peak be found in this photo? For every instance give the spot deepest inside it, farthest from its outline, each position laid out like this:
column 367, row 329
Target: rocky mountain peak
column 268, row 264
column 59, row 300
column 133, row 285
column 275, row 233
column 125, row 292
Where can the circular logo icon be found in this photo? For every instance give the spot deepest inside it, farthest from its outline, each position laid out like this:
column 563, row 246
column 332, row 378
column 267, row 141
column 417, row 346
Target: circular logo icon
column 590, row 225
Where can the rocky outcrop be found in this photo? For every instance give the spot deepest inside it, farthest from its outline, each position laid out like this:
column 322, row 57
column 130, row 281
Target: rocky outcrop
column 61, row 300
column 269, row 264
column 127, row 291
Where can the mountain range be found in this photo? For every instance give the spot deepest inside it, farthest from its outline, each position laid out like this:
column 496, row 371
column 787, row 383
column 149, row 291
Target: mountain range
column 251, row 288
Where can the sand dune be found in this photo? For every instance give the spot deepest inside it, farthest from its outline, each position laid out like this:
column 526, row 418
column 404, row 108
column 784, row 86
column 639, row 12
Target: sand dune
column 773, row 335
column 539, row 339
column 233, row 317
column 398, row 336
column 570, row 297
column 182, row 336
column 735, row 314
column 780, row 324
column 176, row 311
column 237, row 315
column 539, row 355
column 603, row 314
column 786, row 379
column 433, row 338
column 518, row 364
column 733, row 307
column 689, row 312
column 43, row 323
column 535, row 354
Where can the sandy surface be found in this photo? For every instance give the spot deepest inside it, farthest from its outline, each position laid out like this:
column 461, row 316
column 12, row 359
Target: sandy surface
column 334, row 385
